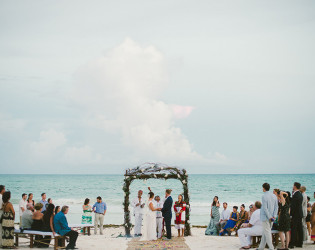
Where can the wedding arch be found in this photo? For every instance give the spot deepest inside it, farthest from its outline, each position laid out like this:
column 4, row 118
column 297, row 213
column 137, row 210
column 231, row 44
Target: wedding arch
column 156, row 171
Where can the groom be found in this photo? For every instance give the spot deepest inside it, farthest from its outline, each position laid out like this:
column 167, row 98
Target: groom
column 167, row 212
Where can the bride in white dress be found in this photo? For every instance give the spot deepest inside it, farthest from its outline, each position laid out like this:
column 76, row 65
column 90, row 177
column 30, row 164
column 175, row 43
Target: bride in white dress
column 149, row 220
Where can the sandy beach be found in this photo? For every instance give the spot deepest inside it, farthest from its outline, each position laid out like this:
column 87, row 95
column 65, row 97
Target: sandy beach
column 111, row 240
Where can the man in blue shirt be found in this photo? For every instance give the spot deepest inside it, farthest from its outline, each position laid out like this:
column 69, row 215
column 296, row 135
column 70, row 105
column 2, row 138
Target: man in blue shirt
column 62, row 228
column 44, row 202
column 99, row 209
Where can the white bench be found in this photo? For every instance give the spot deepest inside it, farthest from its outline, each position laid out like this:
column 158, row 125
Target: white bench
column 85, row 227
column 32, row 233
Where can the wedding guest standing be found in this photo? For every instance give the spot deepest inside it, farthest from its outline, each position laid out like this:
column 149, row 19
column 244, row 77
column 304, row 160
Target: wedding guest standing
column 27, row 217
column 167, row 213
column 313, row 223
column 138, row 205
column 254, row 228
column 225, row 215
column 159, row 218
column 87, row 213
column 61, row 227
column 268, row 213
column 284, row 220
column 99, row 209
column 22, row 206
column 30, row 199
column 180, row 212
column 43, row 201
column 296, row 213
column 304, row 209
column 2, row 190
column 7, row 221
column 215, row 217
column 230, row 223
column 308, row 218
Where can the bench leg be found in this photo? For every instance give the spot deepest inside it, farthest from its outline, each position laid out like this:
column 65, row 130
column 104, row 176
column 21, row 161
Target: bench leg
column 83, row 230
column 63, row 241
column 55, row 243
column 89, row 231
column 31, row 241
column 17, row 240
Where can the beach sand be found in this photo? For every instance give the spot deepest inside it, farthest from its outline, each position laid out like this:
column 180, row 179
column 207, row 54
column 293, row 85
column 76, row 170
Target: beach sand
column 110, row 240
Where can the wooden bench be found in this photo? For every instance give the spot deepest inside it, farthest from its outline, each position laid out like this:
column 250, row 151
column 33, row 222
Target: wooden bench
column 30, row 234
column 275, row 239
column 84, row 227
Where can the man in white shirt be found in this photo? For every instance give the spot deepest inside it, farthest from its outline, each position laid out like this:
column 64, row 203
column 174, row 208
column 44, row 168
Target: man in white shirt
column 138, row 205
column 254, row 229
column 2, row 190
column 22, row 206
column 159, row 217
column 27, row 217
column 225, row 216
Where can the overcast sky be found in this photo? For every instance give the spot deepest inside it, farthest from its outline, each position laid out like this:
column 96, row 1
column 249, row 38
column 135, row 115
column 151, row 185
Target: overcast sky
column 211, row 86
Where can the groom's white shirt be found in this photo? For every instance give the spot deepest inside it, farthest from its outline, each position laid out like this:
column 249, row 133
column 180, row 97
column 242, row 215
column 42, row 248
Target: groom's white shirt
column 138, row 209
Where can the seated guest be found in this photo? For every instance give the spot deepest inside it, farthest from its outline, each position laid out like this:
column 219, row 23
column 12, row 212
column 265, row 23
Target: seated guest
column 61, row 227
column 231, row 222
column 57, row 209
column 38, row 224
column 251, row 211
column 243, row 218
column 48, row 220
column 225, row 215
column 254, row 228
column 27, row 217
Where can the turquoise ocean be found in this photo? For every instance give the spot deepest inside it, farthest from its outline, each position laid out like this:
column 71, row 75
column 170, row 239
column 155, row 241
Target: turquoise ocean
column 71, row 190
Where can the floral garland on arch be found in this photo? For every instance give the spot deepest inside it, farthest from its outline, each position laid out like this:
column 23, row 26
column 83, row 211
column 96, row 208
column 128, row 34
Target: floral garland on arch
column 156, row 171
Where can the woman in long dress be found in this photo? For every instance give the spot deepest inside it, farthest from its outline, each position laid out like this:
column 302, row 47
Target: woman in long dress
column 87, row 214
column 149, row 220
column 215, row 217
column 180, row 212
column 8, row 222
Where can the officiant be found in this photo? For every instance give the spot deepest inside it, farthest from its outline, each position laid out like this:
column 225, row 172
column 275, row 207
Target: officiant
column 138, row 205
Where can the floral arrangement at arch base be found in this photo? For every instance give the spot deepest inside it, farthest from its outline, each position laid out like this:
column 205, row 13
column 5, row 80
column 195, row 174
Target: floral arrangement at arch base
column 155, row 171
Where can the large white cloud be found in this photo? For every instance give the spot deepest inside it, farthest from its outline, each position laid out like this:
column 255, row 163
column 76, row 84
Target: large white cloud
column 120, row 93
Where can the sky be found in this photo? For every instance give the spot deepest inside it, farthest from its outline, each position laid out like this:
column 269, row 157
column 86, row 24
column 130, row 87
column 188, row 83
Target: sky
column 94, row 87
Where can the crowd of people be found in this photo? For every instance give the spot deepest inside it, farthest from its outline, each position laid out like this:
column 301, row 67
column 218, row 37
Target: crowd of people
column 291, row 215
column 44, row 216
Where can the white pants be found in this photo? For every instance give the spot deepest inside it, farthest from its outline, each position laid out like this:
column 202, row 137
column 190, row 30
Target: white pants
column 1, row 212
column 99, row 220
column 266, row 235
column 305, row 232
column 159, row 227
column 138, row 223
column 245, row 234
